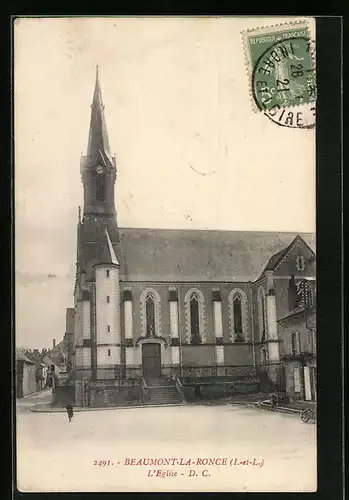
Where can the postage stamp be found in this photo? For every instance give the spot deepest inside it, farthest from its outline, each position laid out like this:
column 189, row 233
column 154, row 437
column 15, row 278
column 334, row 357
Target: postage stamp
column 281, row 68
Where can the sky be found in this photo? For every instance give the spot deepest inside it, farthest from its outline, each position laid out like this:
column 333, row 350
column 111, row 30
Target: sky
column 191, row 151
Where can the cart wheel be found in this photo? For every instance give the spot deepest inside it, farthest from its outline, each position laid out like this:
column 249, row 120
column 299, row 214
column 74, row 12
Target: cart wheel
column 305, row 416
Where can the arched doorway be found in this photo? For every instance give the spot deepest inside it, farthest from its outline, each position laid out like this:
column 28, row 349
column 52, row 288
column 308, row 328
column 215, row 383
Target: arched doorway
column 151, row 360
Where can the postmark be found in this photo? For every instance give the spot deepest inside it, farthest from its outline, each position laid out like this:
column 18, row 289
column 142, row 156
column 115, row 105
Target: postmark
column 282, row 76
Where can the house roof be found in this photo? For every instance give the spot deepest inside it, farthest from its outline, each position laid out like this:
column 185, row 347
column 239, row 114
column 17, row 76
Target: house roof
column 198, row 255
column 277, row 257
column 298, row 311
column 48, row 361
column 21, row 356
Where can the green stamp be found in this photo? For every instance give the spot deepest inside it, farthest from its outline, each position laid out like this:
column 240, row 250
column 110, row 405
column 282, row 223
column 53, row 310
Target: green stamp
column 282, row 74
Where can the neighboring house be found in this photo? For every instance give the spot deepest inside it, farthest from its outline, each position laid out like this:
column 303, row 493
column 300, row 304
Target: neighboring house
column 25, row 374
column 170, row 303
column 299, row 352
column 41, row 368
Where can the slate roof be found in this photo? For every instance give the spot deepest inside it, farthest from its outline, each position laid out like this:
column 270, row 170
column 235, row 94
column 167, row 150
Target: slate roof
column 199, row 255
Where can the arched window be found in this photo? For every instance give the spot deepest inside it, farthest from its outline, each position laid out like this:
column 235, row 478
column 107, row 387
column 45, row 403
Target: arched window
column 262, row 315
column 194, row 303
column 238, row 315
column 150, row 313
column 194, row 320
column 100, row 187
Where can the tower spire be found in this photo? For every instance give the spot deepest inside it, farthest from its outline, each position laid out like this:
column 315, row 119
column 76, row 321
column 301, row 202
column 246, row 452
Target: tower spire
column 98, row 136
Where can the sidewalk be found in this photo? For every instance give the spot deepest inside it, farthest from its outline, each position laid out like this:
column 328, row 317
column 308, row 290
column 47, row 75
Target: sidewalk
column 47, row 408
column 46, row 390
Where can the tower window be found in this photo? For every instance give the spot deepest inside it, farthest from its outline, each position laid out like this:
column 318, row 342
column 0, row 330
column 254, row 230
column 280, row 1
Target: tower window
column 107, row 273
column 108, row 352
column 108, row 328
column 108, row 299
column 100, row 188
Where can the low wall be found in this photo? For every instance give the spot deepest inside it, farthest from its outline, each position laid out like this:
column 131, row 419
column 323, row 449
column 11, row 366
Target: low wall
column 114, row 396
column 219, row 390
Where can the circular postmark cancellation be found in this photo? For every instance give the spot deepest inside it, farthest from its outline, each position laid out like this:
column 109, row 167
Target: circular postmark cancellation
column 284, row 83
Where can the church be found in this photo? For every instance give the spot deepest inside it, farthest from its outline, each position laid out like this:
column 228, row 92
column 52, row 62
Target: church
column 162, row 314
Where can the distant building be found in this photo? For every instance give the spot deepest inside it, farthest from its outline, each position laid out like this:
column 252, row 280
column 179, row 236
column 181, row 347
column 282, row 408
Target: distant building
column 25, row 375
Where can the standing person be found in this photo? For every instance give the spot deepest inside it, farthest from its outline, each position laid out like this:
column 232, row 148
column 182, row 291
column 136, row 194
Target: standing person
column 70, row 410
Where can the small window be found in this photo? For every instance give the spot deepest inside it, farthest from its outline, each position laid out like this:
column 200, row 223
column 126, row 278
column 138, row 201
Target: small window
column 300, row 263
column 312, row 340
column 107, row 273
column 295, row 343
column 108, row 328
column 108, row 299
column 108, row 352
column 297, row 379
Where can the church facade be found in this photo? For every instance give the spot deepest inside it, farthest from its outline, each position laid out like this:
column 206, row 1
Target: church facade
column 184, row 306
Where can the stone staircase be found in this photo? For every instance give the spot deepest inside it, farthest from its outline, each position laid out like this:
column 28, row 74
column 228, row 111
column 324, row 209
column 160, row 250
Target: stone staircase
column 163, row 392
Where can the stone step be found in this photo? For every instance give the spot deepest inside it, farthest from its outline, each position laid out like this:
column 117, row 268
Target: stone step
column 163, row 395
column 173, row 395
column 164, row 390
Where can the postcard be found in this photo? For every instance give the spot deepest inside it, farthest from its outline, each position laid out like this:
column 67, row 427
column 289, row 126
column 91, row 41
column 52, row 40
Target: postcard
column 165, row 254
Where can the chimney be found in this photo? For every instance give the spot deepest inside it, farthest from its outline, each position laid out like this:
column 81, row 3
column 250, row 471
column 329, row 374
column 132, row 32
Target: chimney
column 54, row 343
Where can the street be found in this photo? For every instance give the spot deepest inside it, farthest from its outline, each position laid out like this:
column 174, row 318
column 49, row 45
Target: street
column 210, row 448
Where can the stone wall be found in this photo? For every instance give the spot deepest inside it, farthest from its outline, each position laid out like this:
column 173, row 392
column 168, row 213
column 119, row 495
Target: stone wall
column 215, row 391
column 114, row 396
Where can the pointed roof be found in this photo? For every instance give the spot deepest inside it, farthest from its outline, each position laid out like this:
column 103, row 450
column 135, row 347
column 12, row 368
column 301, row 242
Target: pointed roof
column 277, row 257
column 107, row 253
column 113, row 258
column 98, row 142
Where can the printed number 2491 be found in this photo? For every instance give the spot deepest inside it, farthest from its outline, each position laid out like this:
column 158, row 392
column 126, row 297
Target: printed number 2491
column 102, row 463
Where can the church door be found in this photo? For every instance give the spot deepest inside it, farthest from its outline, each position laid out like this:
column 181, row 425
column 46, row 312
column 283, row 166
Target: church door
column 151, row 360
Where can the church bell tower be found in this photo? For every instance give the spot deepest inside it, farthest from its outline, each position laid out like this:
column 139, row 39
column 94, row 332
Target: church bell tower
column 97, row 330
column 98, row 169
